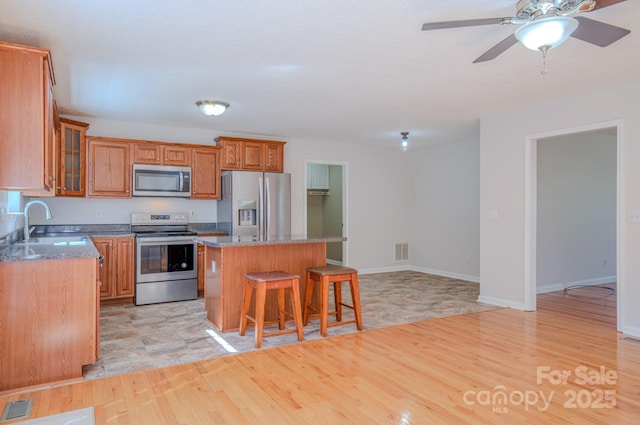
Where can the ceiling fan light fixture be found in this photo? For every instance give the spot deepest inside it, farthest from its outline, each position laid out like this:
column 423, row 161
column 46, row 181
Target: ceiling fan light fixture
column 212, row 107
column 546, row 33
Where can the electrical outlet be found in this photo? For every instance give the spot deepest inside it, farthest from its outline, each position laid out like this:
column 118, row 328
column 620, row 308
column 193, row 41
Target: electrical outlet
column 98, row 213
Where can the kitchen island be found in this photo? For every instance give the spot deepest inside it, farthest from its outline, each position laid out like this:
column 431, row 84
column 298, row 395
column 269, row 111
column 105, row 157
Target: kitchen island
column 228, row 258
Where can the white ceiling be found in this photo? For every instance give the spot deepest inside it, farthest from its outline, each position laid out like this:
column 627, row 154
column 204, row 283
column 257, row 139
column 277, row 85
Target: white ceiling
column 343, row 70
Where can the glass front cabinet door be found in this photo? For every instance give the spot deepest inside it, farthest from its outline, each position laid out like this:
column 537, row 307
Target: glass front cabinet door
column 71, row 179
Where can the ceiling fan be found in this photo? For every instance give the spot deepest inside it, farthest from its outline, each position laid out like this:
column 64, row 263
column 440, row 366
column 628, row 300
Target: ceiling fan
column 545, row 24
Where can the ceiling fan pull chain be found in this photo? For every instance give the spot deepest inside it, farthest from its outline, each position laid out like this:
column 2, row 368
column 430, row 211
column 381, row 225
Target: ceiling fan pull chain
column 544, row 50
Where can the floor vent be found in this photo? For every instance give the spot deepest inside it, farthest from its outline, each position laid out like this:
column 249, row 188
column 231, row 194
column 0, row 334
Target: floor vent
column 402, row 251
column 628, row 338
column 16, row 410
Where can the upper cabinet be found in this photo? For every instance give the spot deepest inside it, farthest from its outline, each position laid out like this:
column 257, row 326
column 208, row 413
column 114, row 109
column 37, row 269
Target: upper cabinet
column 27, row 123
column 72, row 159
column 108, row 168
column 205, row 181
column 251, row 154
column 156, row 153
column 317, row 176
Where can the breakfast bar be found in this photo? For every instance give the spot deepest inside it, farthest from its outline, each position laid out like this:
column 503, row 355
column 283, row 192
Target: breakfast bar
column 228, row 258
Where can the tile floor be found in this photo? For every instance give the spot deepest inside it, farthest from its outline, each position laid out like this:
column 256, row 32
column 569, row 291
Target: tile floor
column 135, row 338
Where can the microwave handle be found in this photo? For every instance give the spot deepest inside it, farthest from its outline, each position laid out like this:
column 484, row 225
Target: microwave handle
column 181, row 181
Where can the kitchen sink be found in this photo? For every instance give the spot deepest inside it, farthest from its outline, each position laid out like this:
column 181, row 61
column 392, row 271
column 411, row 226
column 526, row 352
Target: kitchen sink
column 59, row 240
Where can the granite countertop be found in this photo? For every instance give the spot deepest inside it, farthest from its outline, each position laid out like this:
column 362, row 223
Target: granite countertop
column 230, row 241
column 28, row 251
column 12, row 250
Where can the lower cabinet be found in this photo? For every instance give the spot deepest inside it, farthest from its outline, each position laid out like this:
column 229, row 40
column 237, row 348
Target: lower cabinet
column 48, row 321
column 117, row 274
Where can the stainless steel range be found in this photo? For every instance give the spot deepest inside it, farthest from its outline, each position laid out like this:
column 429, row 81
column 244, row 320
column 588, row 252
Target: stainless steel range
column 166, row 258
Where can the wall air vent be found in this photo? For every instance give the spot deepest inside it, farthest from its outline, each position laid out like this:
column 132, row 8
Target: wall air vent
column 402, row 251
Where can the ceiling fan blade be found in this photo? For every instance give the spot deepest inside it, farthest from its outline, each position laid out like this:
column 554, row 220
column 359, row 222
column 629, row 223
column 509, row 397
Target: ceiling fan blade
column 456, row 24
column 604, row 3
column 498, row 49
column 598, row 33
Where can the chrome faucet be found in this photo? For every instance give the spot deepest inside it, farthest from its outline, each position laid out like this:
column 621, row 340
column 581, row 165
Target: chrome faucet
column 27, row 233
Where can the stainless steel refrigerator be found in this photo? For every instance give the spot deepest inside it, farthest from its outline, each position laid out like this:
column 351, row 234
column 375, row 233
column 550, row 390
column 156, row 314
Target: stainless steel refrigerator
column 255, row 204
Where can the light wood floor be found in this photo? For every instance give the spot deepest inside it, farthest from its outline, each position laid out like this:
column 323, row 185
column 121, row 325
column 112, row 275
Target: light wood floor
column 443, row 371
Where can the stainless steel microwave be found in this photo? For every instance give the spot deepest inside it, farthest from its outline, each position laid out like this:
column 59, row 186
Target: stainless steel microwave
column 161, row 180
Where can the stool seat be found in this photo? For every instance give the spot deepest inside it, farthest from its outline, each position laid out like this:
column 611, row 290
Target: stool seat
column 331, row 270
column 261, row 282
column 324, row 275
column 270, row 276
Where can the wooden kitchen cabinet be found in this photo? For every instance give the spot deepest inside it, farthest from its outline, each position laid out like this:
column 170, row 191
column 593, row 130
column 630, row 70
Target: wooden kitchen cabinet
column 205, row 173
column 160, row 154
column 72, row 149
column 251, row 154
column 27, row 122
column 48, row 321
column 117, row 274
column 274, row 157
column 108, row 168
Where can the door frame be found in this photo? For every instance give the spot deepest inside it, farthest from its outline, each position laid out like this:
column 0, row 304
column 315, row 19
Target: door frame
column 531, row 208
column 345, row 201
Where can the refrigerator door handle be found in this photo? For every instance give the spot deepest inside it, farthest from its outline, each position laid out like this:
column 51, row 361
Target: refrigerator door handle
column 267, row 207
column 260, row 208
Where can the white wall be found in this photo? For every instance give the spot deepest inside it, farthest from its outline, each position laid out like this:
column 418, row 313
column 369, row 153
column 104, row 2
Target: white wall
column 503, row 161
column 576, row 210
column 118, row 211
column 8, row 222
column 377, row 197
column 444, row 202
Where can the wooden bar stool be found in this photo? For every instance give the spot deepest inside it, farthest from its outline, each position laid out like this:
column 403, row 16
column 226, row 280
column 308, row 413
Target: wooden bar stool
column 262, row 281
column 337, row 275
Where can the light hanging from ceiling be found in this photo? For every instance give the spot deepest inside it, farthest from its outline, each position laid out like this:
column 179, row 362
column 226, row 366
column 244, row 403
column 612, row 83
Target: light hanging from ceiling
column 546, row 33
column 405, row 140
column 212, row 107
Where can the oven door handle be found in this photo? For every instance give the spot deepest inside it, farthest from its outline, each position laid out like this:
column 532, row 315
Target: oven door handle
column 164, row 241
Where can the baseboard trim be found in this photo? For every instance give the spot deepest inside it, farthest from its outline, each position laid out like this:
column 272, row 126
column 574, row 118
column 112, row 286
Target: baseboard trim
column 501, row 302
column 629, row 331
column 586, row 282
column 468, row 278
column 407, row 267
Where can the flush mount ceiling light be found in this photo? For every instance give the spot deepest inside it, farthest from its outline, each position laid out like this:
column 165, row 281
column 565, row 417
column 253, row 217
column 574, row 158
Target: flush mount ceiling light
column 212, row 107
column 546, row 33
column 405, row 140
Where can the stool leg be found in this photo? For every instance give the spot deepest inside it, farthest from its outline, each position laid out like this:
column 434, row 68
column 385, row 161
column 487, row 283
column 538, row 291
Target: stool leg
column 308, row 295
column 246, row 303
column 324, row 304
column 337, row 294
column 281, row 314
column 261, row 294
column 297, row 313
column 355, row 298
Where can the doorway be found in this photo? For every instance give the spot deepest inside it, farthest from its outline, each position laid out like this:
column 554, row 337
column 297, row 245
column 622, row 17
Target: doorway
column 326, row 201
column 542, row 225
